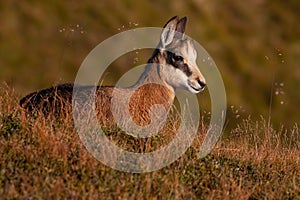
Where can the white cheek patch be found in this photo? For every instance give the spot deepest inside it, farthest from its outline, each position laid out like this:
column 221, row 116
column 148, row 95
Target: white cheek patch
column 178, row 79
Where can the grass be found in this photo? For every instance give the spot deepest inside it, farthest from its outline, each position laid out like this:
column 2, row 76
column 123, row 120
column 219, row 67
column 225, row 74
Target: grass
column 43, row 159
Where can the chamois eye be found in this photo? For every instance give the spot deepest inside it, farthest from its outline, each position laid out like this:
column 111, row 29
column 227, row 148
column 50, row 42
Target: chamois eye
column 177, row 58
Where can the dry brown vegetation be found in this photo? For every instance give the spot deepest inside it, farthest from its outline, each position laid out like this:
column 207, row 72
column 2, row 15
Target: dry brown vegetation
column 45, row 159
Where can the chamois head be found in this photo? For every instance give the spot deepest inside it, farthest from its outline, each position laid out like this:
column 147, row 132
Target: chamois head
column 177, row 56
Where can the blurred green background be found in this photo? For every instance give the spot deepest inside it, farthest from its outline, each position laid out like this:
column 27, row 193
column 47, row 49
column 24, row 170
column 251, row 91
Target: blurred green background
column 255, row 44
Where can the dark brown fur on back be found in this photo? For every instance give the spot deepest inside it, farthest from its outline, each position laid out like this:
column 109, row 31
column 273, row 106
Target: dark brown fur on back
column 49, row 100
column 57, row 101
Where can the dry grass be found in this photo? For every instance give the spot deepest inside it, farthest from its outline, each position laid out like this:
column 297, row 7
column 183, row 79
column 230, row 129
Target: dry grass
column 44, row 159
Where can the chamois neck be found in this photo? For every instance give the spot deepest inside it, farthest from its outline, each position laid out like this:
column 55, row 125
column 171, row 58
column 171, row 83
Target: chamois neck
column 151, row 73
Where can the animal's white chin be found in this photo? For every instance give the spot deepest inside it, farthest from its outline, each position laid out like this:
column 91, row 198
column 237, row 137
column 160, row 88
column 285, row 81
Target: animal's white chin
column 194, row 89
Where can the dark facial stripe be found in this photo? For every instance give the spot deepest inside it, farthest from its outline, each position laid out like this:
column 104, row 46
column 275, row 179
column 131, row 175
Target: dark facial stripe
column 178, row 62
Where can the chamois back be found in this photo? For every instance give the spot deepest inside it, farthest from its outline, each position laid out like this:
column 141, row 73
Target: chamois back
column 51, row 100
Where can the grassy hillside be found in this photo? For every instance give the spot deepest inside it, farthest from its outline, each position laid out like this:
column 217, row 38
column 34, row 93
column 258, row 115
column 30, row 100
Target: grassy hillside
column 45, row 159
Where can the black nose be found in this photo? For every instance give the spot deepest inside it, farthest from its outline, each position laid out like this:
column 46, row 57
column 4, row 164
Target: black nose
column 201, row 83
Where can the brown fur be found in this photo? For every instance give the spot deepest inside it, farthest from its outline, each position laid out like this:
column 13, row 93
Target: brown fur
column 57, row 100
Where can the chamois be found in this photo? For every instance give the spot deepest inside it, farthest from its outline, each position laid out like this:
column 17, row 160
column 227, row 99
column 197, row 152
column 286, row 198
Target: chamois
column 172, row 65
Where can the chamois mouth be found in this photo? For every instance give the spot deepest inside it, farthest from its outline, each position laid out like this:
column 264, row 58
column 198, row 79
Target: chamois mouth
column 196, row 89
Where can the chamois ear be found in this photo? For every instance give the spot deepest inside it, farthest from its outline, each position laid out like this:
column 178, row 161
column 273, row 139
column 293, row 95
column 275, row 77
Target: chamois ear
column 168, row 32
column 181, row 24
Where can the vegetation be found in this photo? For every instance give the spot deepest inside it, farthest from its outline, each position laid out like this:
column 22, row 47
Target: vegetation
column 45, row 159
